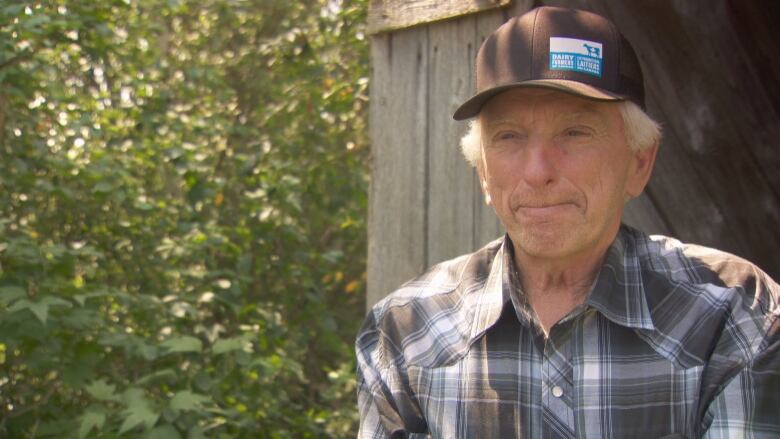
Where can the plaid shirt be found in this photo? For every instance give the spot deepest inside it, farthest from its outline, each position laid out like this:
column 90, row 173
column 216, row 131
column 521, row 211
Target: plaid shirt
column 674, row 340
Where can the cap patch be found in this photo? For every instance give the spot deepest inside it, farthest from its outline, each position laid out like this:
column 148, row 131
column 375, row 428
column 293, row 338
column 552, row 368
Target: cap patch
column 575, row 55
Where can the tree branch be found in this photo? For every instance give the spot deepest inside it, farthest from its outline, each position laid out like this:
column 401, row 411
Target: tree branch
column 16, row 59
column 54, row 387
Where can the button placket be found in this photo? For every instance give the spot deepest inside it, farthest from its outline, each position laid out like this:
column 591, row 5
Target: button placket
column 557, row 387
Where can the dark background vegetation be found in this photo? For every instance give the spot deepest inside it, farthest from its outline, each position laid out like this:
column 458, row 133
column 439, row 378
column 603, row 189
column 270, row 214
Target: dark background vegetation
column 182, row 217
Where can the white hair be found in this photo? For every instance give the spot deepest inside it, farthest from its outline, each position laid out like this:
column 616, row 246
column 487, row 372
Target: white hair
column 640, row 129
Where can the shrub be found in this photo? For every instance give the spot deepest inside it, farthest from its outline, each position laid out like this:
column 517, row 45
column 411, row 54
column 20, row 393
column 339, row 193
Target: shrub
column 182, row 225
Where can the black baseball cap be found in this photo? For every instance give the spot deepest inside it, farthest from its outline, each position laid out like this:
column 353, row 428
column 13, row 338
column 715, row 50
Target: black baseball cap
column 570, row 50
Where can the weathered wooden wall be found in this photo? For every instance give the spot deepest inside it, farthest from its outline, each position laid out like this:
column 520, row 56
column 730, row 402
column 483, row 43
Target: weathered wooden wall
column 388, row 15
column 711, row 71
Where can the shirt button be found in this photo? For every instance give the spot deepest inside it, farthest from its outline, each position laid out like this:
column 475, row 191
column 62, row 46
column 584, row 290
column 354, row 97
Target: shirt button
column 557, row 391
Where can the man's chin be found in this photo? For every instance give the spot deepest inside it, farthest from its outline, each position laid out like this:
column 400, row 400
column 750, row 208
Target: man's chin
column 545, row 239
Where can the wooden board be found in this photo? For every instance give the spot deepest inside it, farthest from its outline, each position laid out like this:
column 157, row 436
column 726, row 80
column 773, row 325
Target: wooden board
column 387, row 15
column 450, row 183
column 642, row 213
column 397, row 200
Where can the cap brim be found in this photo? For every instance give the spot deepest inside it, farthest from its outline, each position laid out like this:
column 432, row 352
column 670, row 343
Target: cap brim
column 473, row 106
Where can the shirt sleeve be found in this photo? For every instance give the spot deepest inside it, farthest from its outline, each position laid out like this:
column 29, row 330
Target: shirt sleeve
column 387, row 407
column 749, row 404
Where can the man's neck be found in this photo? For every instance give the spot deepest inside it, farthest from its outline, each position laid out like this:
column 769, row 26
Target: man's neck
column 554, row 288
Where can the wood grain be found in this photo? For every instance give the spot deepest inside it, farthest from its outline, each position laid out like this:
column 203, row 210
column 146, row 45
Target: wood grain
column 388, row 15
column 397, row 200
column 450, row 183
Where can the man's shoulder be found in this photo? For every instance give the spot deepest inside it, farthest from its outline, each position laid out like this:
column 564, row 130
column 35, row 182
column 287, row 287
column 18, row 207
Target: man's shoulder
column 443, row 278
column 695, row 264
column 428, row 319
column 718, row 300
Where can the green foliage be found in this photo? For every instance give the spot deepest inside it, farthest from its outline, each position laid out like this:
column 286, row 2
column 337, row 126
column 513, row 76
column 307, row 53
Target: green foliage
column 182, row 217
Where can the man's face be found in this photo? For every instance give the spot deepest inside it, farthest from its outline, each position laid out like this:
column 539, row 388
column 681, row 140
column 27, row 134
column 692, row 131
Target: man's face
column 557, row 170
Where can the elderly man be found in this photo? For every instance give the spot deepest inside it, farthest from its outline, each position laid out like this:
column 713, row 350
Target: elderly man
column 571, row 325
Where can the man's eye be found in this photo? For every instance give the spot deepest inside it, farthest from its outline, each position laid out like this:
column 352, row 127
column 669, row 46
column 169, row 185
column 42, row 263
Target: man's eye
column 507, row 135
column 577, row 132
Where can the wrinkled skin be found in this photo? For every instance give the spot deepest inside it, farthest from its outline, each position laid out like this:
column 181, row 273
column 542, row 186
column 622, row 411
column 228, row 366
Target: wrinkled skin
column 557, row 170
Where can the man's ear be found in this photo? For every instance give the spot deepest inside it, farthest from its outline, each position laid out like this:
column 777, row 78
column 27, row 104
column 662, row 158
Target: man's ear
column 483, row 183
column 640, row 170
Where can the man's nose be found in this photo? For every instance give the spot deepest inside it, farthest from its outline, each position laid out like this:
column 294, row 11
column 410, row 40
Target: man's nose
column 539, row 163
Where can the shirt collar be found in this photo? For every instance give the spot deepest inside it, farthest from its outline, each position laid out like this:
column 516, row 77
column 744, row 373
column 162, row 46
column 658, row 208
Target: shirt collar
column 618, row 292
column 489, row 300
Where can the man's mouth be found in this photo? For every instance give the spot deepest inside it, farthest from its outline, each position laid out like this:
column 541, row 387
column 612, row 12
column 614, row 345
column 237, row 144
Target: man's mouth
column 544, row 210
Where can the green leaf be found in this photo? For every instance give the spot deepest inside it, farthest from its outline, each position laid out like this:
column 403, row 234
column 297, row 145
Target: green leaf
column 81, row 319
column 9, row 294
column 138, row 412
column 183, row 344
column 12, row 10
column 102, row 391
column 81, row 299
column 39, row 308
column 196, row 432
column 93, row 419
column 24, row 251
column 156, row 375
column 186, row 400
column 163, row 432
column 116, row 340
column 102, row 187
column 55, row 427
column 227, row 344
column 35, row 22
column 147, row 351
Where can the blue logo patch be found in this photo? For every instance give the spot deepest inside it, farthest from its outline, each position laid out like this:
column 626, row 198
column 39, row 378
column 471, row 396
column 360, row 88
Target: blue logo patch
column 576, row 55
